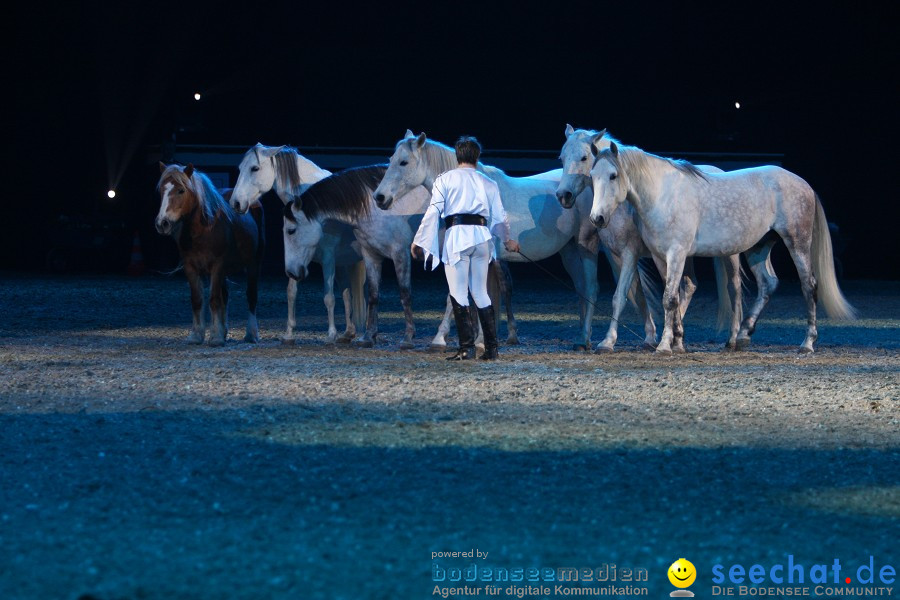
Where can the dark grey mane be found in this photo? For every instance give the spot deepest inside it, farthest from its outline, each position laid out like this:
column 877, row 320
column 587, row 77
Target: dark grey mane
column 286, row 172
column 344, row 194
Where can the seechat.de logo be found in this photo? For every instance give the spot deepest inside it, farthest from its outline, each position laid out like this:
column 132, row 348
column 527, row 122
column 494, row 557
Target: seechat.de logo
column 682, row 574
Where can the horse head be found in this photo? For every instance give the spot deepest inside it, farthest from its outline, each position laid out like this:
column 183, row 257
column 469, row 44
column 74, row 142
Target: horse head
column 610, row 181
column 406, row 171
column 178, row 196
column 256, row 176
column 576, row 157
column 301, row 239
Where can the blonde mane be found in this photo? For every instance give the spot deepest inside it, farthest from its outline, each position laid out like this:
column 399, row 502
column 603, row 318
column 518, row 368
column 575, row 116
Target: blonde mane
column 208, row 197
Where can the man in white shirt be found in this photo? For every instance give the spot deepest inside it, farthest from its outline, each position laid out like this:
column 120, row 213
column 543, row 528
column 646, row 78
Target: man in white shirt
column 467, row 200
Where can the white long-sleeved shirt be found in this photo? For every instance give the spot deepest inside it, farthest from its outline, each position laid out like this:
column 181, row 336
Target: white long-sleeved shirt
column 463, row 190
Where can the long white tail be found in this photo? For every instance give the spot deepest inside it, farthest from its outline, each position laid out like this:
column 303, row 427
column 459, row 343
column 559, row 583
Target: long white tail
column 358, row 289
column 829, row 292
column 723, row 317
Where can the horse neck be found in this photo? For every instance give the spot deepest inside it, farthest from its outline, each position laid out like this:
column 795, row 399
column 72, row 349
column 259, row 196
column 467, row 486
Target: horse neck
column 643, row 181
column 439, row 160
column 308, row 173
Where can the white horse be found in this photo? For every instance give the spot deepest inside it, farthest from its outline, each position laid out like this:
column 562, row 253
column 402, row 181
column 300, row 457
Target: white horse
column 346, row 197
column 686, row 212
column 537, row 221
column 283, row 169
column 622, row 243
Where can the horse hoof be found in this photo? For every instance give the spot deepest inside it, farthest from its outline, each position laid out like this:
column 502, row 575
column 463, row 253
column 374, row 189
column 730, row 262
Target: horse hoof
column 251, row 339
column 603, row 350
column 579, row 347
column 194, row 341
column 288, row 341
column 678, row 350
column 406, row 345
column 741, row 343
column 648, row 347
column 512, row 340
column 729, row 347
column 216, row 343
column 437, row 348
column 364, row 344
column 664, row 352
column 344, row 339
column 804, row 350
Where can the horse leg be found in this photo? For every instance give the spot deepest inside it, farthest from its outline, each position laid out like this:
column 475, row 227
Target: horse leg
column 198, row 329
column 591, row 285
column 759, row 259
column 571, row 260
column 688, row 285
column 402, row 266
column 625, row 265
column 732, row 266
column 803, row 261
column 504, row 278
column 671, row 297
column 439, row 343
column 252, row 335
column 218, row 302
column 342, row 276
column 291, row 318
column 328, row 277
column 373, row 277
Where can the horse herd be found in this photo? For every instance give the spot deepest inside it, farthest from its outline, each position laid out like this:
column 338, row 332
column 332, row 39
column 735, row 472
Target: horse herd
column 619, row 199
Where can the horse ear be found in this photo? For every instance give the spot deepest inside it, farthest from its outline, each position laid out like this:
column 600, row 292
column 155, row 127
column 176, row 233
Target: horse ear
column 162, row 167
column 420, row 141
column 189, row 170
column 614, row 149
column 594, row 150
column 569, row 130
column 409, row 134
column 269, row 152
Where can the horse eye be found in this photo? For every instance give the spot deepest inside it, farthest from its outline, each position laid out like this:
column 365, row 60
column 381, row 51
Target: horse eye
column 292, row 231
column 584, row 158
column 612, row 177
column 403, row 163
column 254, row 169
column 180, row 190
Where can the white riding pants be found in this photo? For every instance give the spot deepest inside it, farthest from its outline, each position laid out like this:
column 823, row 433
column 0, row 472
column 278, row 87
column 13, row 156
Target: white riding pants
column 469, row 275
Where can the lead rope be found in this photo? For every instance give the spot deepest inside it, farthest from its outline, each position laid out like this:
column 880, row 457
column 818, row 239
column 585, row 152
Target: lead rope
column 572, row 288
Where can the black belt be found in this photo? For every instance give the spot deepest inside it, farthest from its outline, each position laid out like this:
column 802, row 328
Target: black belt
column 464, row 220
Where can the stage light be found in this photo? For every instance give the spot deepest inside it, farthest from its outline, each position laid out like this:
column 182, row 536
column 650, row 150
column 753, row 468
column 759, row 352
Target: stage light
column 737, row 105
column 111, row 193
column 197, row 96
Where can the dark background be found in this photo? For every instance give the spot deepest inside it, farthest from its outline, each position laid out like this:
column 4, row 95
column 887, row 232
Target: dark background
column 96, row 85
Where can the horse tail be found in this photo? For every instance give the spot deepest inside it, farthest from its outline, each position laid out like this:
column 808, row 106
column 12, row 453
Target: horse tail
column 651, row 286
column 358, row 292
column 829, row 292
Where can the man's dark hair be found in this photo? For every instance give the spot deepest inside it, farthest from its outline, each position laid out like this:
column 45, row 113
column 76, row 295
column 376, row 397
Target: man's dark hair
column 467, row 150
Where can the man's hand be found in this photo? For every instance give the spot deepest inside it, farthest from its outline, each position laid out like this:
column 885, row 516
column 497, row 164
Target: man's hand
column 511, row 246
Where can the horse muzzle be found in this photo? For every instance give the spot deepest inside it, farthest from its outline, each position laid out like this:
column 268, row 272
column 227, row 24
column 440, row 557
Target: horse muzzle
column 300, row 275
column 164, row 226
column 238, row 208
column 383, row 202
column 599, row 221
column 566, row 198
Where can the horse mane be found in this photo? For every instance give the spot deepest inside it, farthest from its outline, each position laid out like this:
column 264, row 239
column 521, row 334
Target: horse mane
column 442, row 158
column 208, row 196
column 639, row 161
column 344, row 194
column 287, row 176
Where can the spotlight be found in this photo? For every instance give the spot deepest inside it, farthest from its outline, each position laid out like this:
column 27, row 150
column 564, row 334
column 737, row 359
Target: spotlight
column 111, row 193
column 197, row 96
column 737, row 105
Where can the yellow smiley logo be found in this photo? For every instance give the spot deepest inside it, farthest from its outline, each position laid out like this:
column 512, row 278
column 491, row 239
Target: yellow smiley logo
column 682, row 573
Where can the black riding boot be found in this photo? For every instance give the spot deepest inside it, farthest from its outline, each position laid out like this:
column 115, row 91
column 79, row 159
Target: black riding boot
column 489, row 329
column 465, row 330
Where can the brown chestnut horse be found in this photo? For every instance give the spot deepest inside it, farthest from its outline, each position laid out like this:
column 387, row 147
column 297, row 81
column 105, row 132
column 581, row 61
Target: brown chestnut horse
column 213, row 241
